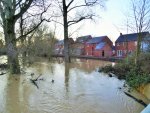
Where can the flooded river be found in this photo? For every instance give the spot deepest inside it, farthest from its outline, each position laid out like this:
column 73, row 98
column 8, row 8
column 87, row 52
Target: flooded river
column 76, row 88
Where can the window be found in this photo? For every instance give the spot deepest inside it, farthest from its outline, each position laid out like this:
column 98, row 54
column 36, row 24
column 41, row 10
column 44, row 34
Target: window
column 123, row 43
column 135, row 43
column 119, row 53
column 118, row 44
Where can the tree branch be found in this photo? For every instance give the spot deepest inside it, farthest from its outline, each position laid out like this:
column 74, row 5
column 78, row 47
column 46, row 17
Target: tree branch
column 70, row 3
column 33, row 29
column 80, row 19
column 23, row 9
column 76, row 7
column 56, row 22
column 87, row 4
column 36, row 26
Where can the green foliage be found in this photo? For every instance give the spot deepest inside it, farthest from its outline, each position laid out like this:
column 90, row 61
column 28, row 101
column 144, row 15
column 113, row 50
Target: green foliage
column 121, row 69
column 144, row 62
column 107, row 69
column 135, row 78
column 135, row 75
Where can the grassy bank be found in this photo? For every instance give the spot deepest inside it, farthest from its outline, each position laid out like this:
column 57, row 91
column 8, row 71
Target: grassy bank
column 135, row 75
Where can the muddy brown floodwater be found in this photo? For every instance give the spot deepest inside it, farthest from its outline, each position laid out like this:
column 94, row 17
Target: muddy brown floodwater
column 77, row 88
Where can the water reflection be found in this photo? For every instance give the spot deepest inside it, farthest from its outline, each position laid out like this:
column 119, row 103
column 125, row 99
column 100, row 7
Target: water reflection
column 13, row 99
column 16, row 95
column 67, row 68
column 88, row 65
column 3, row 86
column 77, row 88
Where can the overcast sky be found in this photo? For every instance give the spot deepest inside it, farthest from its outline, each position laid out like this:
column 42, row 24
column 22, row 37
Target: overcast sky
column 112, row 20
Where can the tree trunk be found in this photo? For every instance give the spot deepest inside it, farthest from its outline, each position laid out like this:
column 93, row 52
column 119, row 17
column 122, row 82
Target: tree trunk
column 66, row 38
column 138, row 49
column 12, row 53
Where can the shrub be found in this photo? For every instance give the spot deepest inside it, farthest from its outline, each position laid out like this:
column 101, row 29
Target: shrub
column 135, row 75
column 107, row 69
column 135, row 78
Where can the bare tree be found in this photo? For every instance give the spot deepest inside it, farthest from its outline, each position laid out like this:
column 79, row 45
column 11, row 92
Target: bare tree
column 10, row 12
column 140, row 21
column 73, row 12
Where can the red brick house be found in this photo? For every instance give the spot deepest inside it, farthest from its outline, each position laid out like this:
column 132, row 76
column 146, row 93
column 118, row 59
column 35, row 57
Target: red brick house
column 99, row 47
column 79, row 45
column 127, row 44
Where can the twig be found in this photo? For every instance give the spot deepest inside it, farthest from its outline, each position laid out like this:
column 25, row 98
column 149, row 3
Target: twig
column 34, row 81
column 37, row 78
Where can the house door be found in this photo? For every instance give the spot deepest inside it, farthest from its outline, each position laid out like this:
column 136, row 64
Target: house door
column 92, row 51
column 103, row 54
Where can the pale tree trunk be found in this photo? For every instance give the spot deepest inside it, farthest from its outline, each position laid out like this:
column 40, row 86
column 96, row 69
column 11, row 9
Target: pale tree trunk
column 12, row 53
column 66, row 38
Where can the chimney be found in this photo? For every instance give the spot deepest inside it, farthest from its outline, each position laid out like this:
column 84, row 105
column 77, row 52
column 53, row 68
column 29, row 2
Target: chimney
column 120, row 34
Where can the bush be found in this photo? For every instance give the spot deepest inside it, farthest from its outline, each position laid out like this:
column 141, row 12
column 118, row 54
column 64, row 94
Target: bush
column 121, row 69
column 135, row 75
column 144, row 62
column 107, row 69
column 135, row 78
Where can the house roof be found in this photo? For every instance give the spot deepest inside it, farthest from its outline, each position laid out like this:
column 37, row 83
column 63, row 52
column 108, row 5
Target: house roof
column 100, row 45
column 130, row 37
column 60, row 42
column 96, row 40
column 83, row 38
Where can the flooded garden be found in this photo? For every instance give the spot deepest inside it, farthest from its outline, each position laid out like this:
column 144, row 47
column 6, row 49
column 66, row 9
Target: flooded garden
column 55, row 87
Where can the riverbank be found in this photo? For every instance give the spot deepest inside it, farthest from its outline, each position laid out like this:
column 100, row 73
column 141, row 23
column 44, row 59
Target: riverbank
column 111, row 59
column 135, row 75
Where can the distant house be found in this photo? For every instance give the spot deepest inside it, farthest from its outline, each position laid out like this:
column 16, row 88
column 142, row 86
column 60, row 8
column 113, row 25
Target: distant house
column 59, row 46
column 127, row 43
column 99, row 47
column 145, row 46
column 83, row 39
column 79, row 45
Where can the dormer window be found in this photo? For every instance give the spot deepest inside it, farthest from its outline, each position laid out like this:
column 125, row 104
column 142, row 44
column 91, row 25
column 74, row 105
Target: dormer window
column 118, row 44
